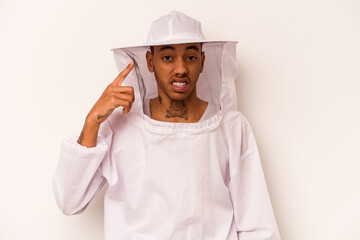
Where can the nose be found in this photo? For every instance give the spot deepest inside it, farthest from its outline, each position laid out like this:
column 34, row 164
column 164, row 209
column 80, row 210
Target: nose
column 180, row 67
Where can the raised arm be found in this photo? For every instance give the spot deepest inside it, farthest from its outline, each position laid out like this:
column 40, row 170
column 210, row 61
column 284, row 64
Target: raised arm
column 78, row 176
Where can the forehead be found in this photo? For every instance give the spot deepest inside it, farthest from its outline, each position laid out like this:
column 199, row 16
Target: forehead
column 178, row 47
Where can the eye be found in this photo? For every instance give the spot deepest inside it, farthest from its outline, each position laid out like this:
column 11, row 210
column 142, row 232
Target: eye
column 191, row 58
column 167, row 58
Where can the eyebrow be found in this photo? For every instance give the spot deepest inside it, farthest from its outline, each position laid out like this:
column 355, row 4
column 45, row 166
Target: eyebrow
column 193, row 47
column 166, row 47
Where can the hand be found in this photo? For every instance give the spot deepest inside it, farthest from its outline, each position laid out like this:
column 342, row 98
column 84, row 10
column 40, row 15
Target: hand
column 114, row 96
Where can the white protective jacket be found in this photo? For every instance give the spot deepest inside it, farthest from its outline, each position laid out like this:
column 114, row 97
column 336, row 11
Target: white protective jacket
column 172, row 181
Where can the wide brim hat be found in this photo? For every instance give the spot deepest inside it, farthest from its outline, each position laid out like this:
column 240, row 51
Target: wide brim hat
column 216, row 83
column 174, row 28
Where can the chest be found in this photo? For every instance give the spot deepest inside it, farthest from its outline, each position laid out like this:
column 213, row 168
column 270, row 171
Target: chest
column 175, row 159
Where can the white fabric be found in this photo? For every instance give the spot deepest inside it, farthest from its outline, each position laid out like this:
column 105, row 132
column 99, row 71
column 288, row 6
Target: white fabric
column 178, row 26
column 174, row 28
column 172, row 181
column 210, row 111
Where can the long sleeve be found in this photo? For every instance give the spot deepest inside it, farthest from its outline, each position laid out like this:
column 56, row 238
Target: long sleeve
column 78, row 175
column 253, row 213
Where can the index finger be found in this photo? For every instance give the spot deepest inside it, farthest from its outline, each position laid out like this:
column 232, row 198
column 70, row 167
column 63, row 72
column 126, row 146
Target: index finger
column 120, row 78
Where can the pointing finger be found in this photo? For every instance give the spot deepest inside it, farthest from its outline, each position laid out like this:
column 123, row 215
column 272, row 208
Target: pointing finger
column 120, row 78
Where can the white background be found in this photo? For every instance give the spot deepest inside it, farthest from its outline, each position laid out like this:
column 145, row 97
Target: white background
column 298, row 86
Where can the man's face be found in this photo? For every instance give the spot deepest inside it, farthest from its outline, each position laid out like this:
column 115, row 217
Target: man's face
column 176, row 68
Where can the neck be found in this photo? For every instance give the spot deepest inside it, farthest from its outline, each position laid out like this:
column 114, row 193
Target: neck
column 188, row 110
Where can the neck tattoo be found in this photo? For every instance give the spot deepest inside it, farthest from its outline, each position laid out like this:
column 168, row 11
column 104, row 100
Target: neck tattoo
column 177, row 109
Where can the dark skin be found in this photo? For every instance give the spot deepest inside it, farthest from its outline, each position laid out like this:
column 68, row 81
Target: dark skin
column 176, row 68
column 182, row 64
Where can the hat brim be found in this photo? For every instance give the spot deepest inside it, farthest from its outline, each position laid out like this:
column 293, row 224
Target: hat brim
column 172, row 42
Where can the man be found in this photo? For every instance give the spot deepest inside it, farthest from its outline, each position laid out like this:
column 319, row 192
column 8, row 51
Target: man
column 180, row 161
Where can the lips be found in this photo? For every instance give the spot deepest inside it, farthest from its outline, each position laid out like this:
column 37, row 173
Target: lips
column 179, row 85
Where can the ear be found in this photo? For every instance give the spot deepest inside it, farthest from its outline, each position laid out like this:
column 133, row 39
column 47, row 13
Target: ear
column 150, row 62
column 202, row 61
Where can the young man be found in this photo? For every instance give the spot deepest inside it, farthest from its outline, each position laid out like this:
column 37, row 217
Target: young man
column 180, row 161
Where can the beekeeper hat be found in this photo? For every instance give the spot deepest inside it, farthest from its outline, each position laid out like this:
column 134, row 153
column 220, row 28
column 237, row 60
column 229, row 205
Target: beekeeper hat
column 174, row 28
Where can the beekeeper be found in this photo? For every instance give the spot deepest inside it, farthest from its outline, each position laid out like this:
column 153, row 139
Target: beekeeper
column 180, row 161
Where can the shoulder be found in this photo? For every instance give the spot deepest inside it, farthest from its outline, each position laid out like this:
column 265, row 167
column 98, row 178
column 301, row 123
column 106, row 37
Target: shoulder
column 236, row 119
column 238, row 130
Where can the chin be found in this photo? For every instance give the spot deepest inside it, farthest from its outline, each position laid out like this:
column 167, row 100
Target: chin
column 179, row 96
column 178, row 99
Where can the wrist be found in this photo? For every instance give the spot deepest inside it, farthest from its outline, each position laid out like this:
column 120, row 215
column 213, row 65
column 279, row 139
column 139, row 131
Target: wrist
column 92, row 122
